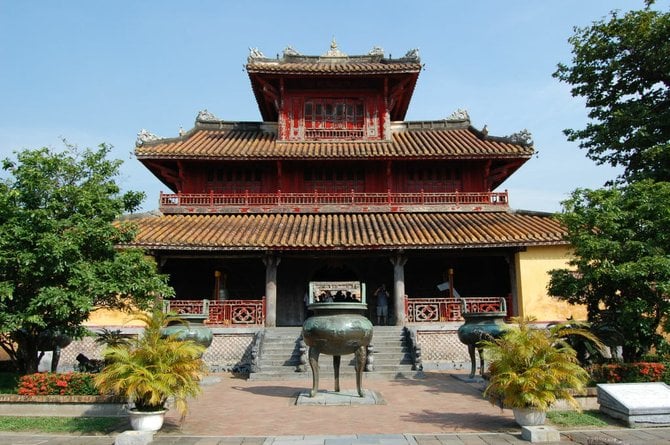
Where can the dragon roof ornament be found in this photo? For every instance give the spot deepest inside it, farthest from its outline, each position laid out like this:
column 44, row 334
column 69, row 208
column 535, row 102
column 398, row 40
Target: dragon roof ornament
column 459, row 115
column 145, row 136
column 206, row 116
column 521, row 137
column 255, row 53
column 412, row 54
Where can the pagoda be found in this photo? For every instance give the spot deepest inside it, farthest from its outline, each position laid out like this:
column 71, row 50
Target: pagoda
column 333, row 184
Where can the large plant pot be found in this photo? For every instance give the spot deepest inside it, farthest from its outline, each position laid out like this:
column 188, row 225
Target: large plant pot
column 529, row 416
column 146, row 420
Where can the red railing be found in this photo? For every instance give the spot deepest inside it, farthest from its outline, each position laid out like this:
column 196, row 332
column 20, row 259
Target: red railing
column 316, row 198
column 431, row 310
column 222, row 312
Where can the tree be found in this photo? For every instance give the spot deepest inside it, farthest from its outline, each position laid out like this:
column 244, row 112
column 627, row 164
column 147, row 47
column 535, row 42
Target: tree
column 621, row 263
column 58, row 249
column 621, row 66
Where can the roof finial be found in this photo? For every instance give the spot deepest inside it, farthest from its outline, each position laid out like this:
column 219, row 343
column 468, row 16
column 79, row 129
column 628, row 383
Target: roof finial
column 334, row 51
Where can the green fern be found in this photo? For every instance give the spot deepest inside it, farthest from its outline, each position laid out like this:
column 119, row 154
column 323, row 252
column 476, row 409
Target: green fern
column 532, row 368
column 153, row 367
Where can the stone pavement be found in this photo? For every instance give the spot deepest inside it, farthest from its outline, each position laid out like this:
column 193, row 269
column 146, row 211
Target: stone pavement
column 435, row 410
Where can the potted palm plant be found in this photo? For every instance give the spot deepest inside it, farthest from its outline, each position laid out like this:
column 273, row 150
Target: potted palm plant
column 151, row 369
column 532, row 368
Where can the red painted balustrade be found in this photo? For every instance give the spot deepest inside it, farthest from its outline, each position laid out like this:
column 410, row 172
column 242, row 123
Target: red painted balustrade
column 233, row 313
column 432, row 310
column 246, row 199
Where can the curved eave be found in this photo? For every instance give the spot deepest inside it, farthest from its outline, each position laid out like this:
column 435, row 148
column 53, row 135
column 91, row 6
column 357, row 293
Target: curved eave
column 381, row 231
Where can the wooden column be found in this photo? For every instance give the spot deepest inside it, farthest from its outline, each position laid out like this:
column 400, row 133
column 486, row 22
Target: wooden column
column 271, row 262
column 398, row 260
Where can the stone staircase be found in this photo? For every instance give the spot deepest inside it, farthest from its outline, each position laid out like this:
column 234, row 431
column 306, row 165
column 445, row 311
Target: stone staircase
column 279, row 357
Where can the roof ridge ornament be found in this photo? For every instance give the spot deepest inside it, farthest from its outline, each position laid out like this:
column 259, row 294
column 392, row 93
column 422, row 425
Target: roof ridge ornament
column 334, row 51
column 521, row 137
column 376, row 51
column 459, row 115
column 145, row 136
column 412, row 54
column 206, row 116
column 255, row 53
column 290, row 51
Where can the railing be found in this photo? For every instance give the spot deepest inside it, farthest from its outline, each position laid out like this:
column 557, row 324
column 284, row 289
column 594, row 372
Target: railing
column 431, row 310
column 316, row 198
column 222, row 312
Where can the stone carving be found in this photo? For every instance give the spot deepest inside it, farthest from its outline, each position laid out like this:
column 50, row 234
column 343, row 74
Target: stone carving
column 459, row 115
column 255, row 53
column 376, row 51
column 412, row 54
column 206, row 116
column 290, row 51
column 145, row 136
column 522, row 137
column 334, row 51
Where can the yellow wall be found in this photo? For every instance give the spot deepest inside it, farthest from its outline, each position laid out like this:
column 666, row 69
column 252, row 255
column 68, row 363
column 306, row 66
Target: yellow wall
column 107, row 317
column 532, row 279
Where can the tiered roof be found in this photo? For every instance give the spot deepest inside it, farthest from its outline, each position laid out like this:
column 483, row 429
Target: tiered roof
column 259, row 232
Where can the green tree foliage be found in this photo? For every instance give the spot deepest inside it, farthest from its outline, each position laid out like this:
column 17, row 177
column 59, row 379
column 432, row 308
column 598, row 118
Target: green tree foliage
column 621, row 264
column 621, row 67
column 58, row 256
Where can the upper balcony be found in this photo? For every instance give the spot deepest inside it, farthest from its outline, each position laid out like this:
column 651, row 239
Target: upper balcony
column 319, row 202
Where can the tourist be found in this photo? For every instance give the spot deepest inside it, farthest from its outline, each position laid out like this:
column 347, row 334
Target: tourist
column 382, row 304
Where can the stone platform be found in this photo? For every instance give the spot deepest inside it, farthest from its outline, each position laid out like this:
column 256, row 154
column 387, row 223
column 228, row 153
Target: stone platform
column 342, row 398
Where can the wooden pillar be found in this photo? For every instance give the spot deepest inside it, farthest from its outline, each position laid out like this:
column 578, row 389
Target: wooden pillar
column 398, row 260
column 271, row 262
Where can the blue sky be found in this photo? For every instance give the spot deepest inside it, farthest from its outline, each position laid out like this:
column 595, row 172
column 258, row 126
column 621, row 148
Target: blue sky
column 94, row 72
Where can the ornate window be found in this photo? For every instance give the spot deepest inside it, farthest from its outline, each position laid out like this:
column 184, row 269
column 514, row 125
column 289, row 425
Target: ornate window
column 437, row 179
column 234, row 180
column 334, row 180
column 327, row 118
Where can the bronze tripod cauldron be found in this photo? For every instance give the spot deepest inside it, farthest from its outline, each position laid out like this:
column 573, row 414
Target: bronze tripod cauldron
column 337, row 329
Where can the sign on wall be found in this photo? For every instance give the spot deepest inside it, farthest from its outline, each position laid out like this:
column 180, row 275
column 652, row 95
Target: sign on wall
column 336, row 292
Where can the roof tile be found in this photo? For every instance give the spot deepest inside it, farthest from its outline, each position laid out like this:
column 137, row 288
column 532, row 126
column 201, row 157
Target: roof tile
column 346, row 231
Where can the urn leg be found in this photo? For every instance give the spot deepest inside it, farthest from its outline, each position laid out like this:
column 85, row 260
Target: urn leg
column 336, row 370
column 314, row 364
column 481, row 361
column 473, row 361
column 360, row 365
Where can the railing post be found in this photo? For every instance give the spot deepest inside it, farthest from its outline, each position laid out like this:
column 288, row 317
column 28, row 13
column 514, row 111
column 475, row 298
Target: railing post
column 178, row 198
column 316, row 196
column 388, row 194
column 352, row 196
column 423, row 199
column 246, row 197
column 458, row 199
column 278, row 196
column 211, row 198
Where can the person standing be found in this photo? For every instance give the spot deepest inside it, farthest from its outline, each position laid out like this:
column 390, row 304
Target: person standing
column 382, row 305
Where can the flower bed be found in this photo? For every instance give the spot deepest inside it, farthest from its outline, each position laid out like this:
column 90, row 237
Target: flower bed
column 71, row 394
column 640, row 372
column 62, row 406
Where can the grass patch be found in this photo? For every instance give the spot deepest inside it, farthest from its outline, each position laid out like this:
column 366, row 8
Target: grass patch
column 8, row 382
column 576, row 418
column 81, row 425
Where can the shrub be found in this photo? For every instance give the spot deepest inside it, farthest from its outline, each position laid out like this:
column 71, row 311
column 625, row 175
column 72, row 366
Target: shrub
column 63, row 384
column 627, row 372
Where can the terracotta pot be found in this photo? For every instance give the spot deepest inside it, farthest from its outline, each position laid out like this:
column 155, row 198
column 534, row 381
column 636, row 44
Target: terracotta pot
column 146, row 420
